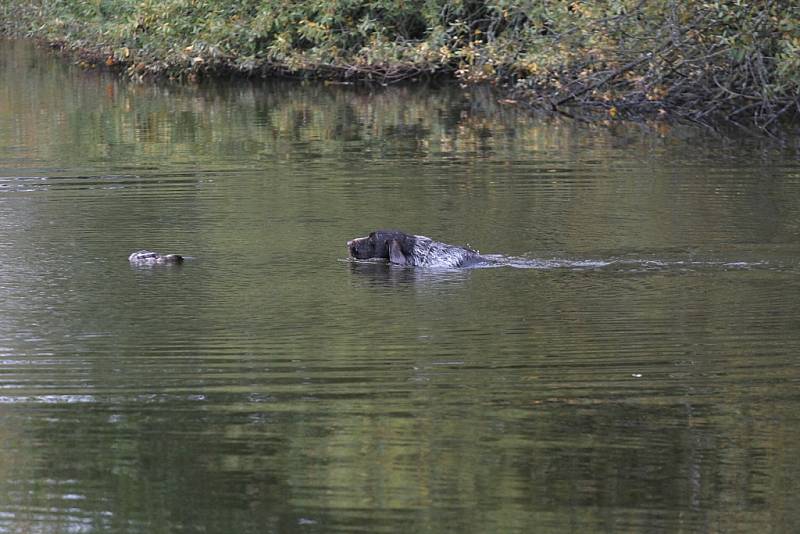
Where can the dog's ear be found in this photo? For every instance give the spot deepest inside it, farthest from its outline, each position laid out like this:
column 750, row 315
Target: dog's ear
column 396, row 255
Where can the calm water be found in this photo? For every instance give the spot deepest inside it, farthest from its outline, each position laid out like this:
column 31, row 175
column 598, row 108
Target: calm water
column 644, row 379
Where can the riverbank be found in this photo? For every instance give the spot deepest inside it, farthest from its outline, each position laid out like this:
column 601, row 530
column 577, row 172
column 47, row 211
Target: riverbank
column 616, row 58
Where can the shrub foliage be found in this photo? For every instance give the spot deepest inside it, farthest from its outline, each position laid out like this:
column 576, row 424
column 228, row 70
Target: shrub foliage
column 735, row 58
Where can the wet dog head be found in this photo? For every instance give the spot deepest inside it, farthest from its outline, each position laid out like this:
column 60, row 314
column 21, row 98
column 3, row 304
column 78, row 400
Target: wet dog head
column 377, row 245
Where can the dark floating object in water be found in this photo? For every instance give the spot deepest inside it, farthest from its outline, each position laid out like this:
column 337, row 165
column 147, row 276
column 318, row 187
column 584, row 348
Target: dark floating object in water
column 146, row 257
column 400, row 248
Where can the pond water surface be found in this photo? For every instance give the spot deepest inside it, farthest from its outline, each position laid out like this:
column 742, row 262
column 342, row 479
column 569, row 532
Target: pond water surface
column 644, row 377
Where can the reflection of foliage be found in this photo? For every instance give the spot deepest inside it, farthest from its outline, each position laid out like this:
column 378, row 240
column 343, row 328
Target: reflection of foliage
column 111, row 120
column 700, row 59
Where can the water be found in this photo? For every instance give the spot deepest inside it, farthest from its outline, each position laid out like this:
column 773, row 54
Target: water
column 642, row 377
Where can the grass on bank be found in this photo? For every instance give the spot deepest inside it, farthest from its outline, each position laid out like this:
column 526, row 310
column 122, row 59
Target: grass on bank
column 699, row 60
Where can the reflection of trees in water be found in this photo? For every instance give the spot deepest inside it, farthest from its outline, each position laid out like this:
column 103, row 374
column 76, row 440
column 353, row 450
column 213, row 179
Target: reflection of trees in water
column 458, row 151
column 106, row 117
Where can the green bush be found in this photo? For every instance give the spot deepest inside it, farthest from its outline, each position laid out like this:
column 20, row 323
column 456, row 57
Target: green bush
column 696, row 59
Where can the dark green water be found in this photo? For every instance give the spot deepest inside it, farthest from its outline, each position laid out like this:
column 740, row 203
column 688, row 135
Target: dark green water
column 647, row 380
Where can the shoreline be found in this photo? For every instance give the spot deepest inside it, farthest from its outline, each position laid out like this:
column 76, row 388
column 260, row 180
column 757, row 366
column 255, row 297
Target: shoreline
column 637, row 61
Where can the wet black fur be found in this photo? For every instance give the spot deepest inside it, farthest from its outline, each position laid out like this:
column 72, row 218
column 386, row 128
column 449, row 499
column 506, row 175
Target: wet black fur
column 405, row 249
